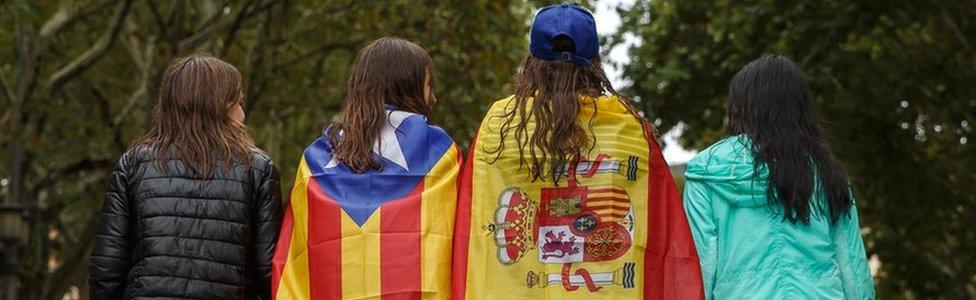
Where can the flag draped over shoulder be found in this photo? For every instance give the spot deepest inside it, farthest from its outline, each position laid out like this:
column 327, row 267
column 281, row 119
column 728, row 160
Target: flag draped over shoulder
column 380, row 234
column 614, row 229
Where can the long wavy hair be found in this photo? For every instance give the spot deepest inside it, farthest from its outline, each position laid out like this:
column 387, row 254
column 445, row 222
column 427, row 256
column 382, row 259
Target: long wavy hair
column 548, row 94
column 770, row 102
column 191, row 120
column 391, row 71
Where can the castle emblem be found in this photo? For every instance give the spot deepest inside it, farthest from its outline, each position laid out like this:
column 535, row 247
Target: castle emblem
column 569, row 225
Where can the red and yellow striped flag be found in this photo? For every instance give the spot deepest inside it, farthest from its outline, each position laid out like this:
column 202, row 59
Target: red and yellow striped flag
column 383, row 234
column 614, row 228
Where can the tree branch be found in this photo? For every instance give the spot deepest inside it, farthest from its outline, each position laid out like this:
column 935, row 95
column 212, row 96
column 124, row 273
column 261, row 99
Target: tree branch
column 252, row 64
column 25, row 68
column 236, row 25
column 84, row 164
column 204, row 30
column 144, row 62
column 9, row 98
column 66, row 15
column 960, row 36
column 59, row 280
column 94, row 53
column 318, row 51
column 130, row 40
column 57, row 21
column 5, row 93
column 157, row 16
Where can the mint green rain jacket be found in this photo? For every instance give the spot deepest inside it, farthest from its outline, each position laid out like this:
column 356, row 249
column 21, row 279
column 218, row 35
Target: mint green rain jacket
column 748, row 251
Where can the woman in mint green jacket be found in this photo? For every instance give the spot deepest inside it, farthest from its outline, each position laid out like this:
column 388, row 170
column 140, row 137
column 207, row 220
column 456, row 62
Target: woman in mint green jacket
column 769, row 206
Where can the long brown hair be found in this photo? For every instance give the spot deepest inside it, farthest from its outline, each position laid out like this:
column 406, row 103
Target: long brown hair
column 389, row 70
column 191, row 121
column 547, row 93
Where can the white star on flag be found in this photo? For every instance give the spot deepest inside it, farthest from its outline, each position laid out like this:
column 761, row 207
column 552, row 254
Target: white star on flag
column 387, row 146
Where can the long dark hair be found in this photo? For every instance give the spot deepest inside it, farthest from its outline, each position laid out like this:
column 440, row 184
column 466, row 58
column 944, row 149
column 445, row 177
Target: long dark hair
column 389, row 70
column 548, row 94
column 770, row 102
column 191, row 119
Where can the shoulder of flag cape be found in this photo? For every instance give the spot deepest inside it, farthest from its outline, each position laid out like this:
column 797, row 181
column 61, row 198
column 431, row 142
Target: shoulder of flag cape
column 387, row 145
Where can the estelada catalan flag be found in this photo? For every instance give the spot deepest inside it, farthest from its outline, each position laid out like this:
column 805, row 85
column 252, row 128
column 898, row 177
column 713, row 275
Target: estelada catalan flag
column 613, row 228
column 383, row 234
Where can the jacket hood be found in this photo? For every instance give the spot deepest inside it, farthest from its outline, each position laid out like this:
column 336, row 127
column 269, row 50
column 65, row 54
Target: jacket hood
column 728, row 167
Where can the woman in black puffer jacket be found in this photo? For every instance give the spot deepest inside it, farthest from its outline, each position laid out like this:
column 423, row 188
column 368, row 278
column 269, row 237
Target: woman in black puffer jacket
column 193, row 208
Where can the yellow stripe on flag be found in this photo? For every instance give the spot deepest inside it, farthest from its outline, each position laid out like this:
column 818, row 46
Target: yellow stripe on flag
column 361, row 257
column 437, row 209
column 294, row 277
column 607, row 195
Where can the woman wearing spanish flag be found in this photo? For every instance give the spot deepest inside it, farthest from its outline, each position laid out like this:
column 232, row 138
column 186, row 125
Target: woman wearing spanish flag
column 565, row 194
column 370, row 212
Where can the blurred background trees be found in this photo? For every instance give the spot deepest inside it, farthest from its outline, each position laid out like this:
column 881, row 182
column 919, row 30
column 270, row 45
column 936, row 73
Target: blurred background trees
column 895, row 83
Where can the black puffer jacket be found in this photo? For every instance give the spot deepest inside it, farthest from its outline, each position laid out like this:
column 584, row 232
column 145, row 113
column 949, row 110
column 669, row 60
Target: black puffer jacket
column 171, row 235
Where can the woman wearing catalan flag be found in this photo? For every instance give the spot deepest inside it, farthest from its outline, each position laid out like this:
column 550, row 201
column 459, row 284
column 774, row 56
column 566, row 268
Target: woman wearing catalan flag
column 565, row 194
column 370, row 212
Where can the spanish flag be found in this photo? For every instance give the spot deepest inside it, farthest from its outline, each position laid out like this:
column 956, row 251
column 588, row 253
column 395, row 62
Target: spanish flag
column 383, row 234
column 613, row 228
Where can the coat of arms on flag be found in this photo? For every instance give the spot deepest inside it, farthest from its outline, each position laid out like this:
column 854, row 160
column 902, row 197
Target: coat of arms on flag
column 512, row 230
column 579, row 223
column 571, row 224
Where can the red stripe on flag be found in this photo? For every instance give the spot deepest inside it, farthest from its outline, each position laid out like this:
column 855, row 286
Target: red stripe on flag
column 657, row 223
column 618, row 207
column 613, row 215
column 400, row 246
column 462, row 228
column 607, row 190
column 324, row 244
column 671, row 266
column 281, row 250
column 614, row 199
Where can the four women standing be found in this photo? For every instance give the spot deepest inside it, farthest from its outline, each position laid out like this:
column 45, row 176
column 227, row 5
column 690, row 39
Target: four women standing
column 565, row 193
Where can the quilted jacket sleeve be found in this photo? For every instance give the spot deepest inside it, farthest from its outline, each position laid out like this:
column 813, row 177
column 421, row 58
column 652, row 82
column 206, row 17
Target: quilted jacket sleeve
column 111, row 250
column 267, row 222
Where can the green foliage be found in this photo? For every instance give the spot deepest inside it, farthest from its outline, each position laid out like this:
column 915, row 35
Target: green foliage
column 894, row 85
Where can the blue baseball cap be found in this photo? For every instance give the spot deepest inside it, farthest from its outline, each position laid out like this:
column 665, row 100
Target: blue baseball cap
column 570, row 21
